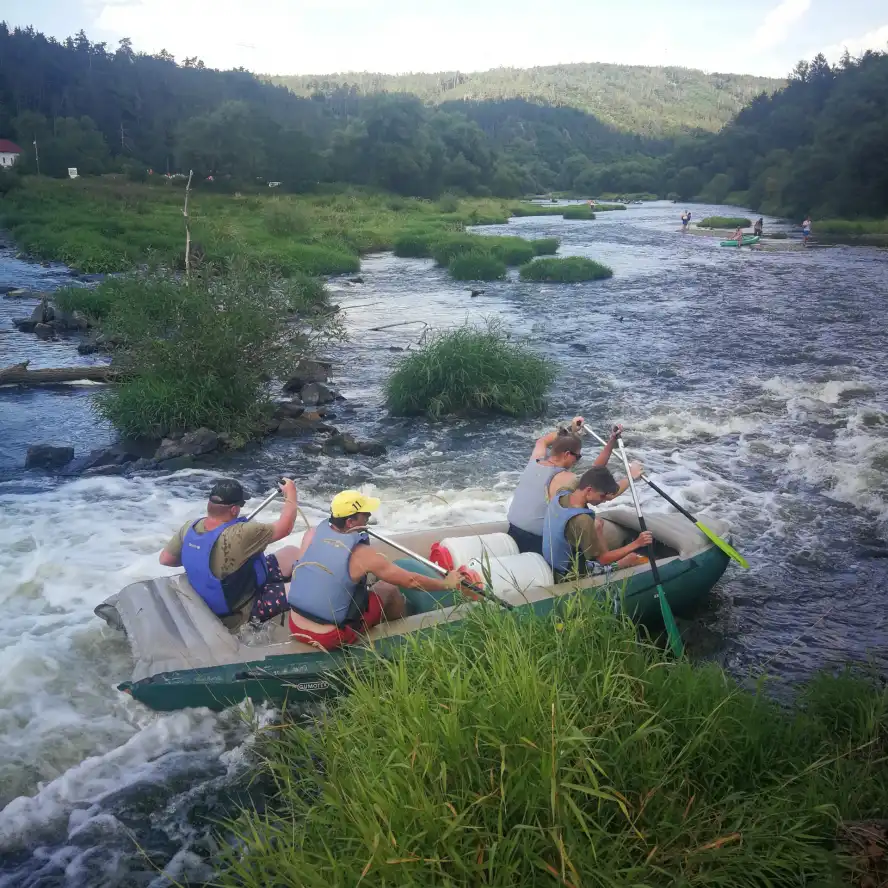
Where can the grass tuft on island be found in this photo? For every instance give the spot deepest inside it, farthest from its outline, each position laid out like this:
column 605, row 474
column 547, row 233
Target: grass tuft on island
column 477, row 265
column 726, row 222
column 569, row 270
column 559, row 750
column 470, row 370
column 580, row 212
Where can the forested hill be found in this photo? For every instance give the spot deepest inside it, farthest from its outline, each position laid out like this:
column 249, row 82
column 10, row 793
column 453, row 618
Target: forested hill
column 652, row 102
column 820, row 146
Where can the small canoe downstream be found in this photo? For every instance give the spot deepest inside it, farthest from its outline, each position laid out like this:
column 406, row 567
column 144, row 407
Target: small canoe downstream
column 184, row 657
column 748, row 241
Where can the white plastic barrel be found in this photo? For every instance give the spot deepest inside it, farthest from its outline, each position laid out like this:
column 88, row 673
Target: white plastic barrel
column 463, row 549
column 516, row 573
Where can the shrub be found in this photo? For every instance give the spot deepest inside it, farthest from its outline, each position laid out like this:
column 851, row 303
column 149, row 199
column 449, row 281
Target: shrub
column 200, row 353
column 529, row 209
column 581, row 211
column 477, row 266
column 94, row 302
column 470, row 369
column 286, row 220
column 724, row 222
column 545, row 246
column 558, row 750
column 510, row 250
column 451, row 246
column 448, row 203
column 608, row 207
column 415, row 244
column 568, row 270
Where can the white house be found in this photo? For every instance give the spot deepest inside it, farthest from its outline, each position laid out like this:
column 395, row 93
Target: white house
column 9, row 153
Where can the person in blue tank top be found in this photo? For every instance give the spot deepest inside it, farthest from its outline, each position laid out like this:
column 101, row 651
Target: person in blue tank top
column 331, row 602
column 573, row 542
column 224, row 556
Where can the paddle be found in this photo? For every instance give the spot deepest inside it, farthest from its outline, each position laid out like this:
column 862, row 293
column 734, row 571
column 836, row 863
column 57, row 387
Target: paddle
column 668, row 619
column 270, row 498
column 727, row 548
column 480, row 590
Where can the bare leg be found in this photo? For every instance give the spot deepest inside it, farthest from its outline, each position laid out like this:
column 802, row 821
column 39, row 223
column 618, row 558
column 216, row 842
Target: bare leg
column 286, row 558
column 394, row 605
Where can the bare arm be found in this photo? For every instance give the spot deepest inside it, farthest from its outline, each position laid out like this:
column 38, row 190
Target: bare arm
column 613, row 555
column 283, row 527
column 367, row 560
column 168, row 559
column 171, row 554
column 541, row 448
column 604, row 457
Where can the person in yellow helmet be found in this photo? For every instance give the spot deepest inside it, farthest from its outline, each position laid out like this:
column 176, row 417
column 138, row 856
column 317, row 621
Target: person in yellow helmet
column 330, row 600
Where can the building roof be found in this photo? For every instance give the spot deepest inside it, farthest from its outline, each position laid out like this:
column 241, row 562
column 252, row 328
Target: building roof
column 7, row 147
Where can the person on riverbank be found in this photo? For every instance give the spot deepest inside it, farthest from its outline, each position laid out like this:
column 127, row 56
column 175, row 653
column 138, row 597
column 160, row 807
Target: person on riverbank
column 549, row 470
column 329, row 597
column 224, row 556
column 806, row 230
column 759, row 227
column 573, row 538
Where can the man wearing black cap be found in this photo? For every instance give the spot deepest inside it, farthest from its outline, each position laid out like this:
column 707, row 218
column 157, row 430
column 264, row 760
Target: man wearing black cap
column 223, row 555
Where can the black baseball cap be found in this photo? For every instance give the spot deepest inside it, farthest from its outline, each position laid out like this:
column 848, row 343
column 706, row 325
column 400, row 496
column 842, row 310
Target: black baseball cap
column 228, row 493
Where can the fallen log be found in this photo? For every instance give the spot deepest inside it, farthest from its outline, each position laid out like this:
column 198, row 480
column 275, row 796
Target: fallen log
column 19, row 374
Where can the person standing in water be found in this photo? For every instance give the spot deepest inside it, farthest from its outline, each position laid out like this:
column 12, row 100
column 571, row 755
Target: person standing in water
column 806, row 230
column 758, row 227
column 685, row 220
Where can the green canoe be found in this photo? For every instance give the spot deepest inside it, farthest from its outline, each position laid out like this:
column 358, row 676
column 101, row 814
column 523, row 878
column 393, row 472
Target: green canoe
column 184, row 656
column 748, row 241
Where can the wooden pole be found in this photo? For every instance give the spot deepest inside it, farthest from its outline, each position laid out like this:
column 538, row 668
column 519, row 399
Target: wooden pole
column 187, row 227
column 19, row 374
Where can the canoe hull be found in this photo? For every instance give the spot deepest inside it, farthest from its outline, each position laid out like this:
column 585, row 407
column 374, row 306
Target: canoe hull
column 747, row 242
column 307, row 677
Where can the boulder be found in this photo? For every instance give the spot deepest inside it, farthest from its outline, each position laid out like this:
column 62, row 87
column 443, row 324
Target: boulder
column 43, row 313
column 313, row 449
column 175, row 464
column 24, row 325
column 141, row 465
column 193, row 444
column 317, row 393
column 45, row 456
column 371, row 448
column 105, row 470
column 293, row 408
column 19, row 293
column 296, row 427
column 307, row 371
column 356, row 280
column 66, row 320
column 116, row 455
column 579, row 347
column 44, row 331
column 89, row 346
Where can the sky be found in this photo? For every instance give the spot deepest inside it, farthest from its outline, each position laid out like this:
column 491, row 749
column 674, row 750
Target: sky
column 765, row 37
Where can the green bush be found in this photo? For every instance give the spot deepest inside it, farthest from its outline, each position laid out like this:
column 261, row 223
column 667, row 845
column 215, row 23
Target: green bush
column 451, row 246
column 566, row 271
column 608, row 207
column 529, row 209
column 580, row 211
column 200, row 353
column 477, row 266
column 448, row 203
column 415, row 244
column 560, row 751
column 94, row 302
column 509, row 250
column 724, row 222
column 286, row 220
column 470, row 370
column 545, row 246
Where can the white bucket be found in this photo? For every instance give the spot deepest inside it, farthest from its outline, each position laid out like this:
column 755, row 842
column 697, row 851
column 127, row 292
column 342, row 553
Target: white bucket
column 493, row 545
column 516, row 573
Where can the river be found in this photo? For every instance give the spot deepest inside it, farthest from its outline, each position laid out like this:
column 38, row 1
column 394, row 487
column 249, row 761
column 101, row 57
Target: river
column 750, row 383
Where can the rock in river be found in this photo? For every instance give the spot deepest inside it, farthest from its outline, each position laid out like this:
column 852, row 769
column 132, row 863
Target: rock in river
column 193, row 444
column 307, row 371
column 45, row 456
column 317, row 393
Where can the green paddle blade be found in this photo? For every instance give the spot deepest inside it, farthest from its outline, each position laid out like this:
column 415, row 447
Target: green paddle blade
column 729, row 550
column 672, row 632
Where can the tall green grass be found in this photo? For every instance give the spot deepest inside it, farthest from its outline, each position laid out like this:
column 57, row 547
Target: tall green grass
column 568, row 270
column 545, row 246
column 581, row 211
column 529, row 209
column 470, row 370
column 559, row 751
column 476, row 266
column 724, row 222
column 852, row 227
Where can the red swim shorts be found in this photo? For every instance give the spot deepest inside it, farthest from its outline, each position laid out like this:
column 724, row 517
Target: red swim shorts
column 339, row 636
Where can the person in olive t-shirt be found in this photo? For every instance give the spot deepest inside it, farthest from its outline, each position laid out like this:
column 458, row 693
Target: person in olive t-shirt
column 223, row 555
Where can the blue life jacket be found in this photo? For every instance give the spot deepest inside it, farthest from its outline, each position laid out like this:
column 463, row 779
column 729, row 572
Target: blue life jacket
column 322, row 589
column 229, row 594
column 556, row 549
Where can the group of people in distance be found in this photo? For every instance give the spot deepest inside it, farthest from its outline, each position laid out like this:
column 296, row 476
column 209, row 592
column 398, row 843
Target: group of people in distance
column 323, row 585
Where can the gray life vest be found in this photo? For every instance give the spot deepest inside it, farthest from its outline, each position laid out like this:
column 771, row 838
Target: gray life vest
column 556, row 549
column 322, row 589
column 528, row 508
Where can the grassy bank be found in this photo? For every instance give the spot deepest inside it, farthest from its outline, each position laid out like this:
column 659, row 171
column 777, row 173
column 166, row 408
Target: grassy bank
column 560, row 751
column 110, row 224
column 872, row 232
column 470, row 370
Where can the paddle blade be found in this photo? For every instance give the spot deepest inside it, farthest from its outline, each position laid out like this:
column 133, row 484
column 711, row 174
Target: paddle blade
column 672, row 632
column 729, row 550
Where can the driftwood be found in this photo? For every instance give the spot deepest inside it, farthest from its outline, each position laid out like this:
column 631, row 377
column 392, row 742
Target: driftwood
column 19, row 374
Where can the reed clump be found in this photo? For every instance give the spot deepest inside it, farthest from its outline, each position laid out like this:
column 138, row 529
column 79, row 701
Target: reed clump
column 724, row 222
column 477, row 265
column 569, row 270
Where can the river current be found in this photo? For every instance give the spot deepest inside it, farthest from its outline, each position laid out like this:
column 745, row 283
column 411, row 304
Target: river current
column 750, row 383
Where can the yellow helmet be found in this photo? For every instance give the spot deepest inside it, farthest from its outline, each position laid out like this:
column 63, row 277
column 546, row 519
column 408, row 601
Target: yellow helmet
column 351, row 502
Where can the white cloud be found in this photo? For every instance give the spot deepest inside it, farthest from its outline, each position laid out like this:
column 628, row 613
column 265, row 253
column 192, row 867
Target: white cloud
column 875, row 39
column 775, row 27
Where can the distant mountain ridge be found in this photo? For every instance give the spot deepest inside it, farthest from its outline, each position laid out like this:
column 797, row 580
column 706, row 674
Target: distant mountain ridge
column 649, row 101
